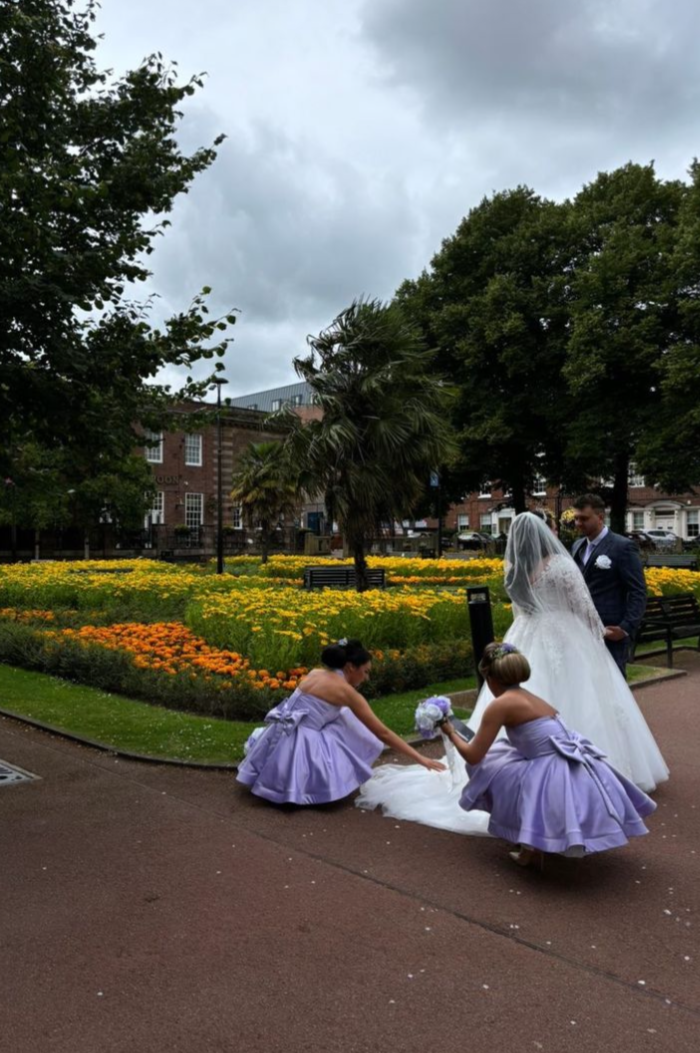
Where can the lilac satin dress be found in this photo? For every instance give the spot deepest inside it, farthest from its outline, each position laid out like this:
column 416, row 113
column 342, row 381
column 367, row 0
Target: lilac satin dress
column 310, row 753
column 550, row 788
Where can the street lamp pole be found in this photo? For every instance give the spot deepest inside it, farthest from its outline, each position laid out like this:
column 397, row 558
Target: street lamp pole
column 219, row 381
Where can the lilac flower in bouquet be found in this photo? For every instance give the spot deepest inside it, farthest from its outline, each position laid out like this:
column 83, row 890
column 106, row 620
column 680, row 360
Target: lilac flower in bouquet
column 430, row 713
column 252, row 739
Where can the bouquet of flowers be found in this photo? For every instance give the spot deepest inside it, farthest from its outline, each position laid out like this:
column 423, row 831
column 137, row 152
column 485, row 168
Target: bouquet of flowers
column 430, row 714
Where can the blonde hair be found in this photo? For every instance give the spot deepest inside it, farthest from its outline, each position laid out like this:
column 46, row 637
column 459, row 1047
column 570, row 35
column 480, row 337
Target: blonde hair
column 504, row 663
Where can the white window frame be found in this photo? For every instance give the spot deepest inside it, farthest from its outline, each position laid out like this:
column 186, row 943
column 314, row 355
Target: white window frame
column 237, row 517
column 693, row 524
column 297, row 400
column 539, row 485
column 486, row 527
column 463, row 521
column 194, row 510
column 638, row 520
column 193, row 450
column 157, row 512
column 486, row 494
column 276, row 405
column 153, row 449
column 635, row 480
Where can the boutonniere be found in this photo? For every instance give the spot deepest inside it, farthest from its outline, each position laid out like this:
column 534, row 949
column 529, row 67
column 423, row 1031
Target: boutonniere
column 603, row 562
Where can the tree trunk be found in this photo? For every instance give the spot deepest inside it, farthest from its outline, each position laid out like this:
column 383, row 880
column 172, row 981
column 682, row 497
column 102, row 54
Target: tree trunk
column 86, row 545
column 264, row 545
column 518, row 493
column 618, row 503
column 37, row 544
column 358, row 553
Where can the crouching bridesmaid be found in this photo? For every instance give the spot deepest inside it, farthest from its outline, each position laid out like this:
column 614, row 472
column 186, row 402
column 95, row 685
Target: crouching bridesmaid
column 320, row 743
column 546, row 787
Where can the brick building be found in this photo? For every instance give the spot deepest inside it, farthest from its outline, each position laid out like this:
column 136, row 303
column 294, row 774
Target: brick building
column 490, row 511
column 184, row 463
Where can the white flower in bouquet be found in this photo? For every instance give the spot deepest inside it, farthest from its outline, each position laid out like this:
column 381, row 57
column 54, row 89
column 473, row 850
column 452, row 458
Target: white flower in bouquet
column 430, row 713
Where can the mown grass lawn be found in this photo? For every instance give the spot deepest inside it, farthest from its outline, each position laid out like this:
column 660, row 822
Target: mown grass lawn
column 137, row 727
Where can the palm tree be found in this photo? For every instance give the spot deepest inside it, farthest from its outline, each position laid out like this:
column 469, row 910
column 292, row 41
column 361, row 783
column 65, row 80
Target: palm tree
column 384, row 425
column 265, row 485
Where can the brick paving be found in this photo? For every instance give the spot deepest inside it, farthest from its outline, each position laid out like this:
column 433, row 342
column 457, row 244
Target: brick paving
column 149, row 908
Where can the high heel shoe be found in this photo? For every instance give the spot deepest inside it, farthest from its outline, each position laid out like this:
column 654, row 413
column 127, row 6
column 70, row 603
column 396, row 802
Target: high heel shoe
column 527, row 857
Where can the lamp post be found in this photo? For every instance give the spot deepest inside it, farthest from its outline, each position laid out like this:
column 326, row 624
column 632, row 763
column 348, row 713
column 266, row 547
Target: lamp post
column 436, row 485
column 219, row 381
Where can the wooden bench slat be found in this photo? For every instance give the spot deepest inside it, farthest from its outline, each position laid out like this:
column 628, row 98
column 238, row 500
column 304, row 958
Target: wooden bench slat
column 669, row 617
column 318, row 577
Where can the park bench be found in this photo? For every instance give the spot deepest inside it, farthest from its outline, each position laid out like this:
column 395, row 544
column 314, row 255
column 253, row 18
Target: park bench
column 340, row 578
column 687, row 561
column 669, row 618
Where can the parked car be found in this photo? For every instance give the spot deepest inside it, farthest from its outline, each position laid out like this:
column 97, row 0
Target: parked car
column 664, row 539
column 643, row 540
column 473, row 539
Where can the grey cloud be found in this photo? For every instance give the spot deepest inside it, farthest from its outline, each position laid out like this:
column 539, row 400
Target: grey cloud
column 593, row 62
column 283, row 232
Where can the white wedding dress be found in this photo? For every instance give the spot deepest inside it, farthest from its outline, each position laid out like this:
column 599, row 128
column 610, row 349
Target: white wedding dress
column 560, row 633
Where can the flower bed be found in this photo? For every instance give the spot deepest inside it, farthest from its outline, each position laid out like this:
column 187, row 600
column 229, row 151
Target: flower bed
column 231, row 645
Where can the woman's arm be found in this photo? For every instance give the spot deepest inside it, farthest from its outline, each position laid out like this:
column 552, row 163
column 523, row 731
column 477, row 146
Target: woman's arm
column 476, row 750
column 361, row 708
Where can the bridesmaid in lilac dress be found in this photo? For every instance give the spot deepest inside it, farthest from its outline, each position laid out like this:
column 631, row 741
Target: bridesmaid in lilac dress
column 546, row 787
column 320, row 743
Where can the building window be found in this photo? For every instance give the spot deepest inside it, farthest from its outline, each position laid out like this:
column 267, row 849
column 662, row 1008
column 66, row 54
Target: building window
column 157, row 512
column 635, row 479
column 693, row 523
column 539, row 486
column 193, row 451
column 297, row 400
column 638, row 520
column 486, row 492
column 253, row 405
column 462, row 521
column 154, row 447
column 194, row 510
column 276, row 405
column 237, row 518
column 486, row 525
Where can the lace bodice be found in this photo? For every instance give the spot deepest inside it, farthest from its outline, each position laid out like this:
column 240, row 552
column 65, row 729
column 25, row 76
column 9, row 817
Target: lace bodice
column 559, row 588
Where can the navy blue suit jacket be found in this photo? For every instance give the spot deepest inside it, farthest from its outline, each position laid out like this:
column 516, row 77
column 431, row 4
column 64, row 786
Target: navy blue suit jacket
column 615, row 580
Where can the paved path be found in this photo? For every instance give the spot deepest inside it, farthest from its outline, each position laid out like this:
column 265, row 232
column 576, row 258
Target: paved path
column 146, row 908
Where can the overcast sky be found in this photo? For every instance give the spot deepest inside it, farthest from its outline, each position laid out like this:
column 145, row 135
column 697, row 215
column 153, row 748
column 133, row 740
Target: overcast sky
column 360, row 132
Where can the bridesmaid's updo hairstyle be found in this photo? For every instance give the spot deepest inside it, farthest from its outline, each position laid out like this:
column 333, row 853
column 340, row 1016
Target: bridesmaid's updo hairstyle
column 337, row 655
column 504, row 662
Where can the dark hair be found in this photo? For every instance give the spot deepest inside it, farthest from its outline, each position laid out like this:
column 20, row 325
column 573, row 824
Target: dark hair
column 337, row 655
column 504, row 663
column 593, row 501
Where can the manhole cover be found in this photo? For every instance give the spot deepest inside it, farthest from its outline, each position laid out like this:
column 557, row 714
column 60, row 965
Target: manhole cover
column 9, row 775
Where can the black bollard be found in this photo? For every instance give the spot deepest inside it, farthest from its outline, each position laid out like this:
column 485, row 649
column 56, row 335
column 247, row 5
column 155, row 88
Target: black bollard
column 479, row 603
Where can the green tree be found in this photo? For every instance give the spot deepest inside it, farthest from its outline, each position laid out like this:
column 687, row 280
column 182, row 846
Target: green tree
column 52, row 489
column 384, row 423
column 669, row 452
column 493, row 306
column 623, row 232
column 266, row 487
column 89, row 169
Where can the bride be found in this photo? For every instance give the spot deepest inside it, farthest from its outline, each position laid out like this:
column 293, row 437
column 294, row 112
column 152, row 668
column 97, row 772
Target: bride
column 558, row 629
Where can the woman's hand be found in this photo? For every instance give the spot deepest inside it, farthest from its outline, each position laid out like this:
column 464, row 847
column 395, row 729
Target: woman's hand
column 433, row 765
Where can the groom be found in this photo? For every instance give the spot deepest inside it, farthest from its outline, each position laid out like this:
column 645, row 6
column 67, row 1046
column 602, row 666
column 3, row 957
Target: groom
column 614, row 575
